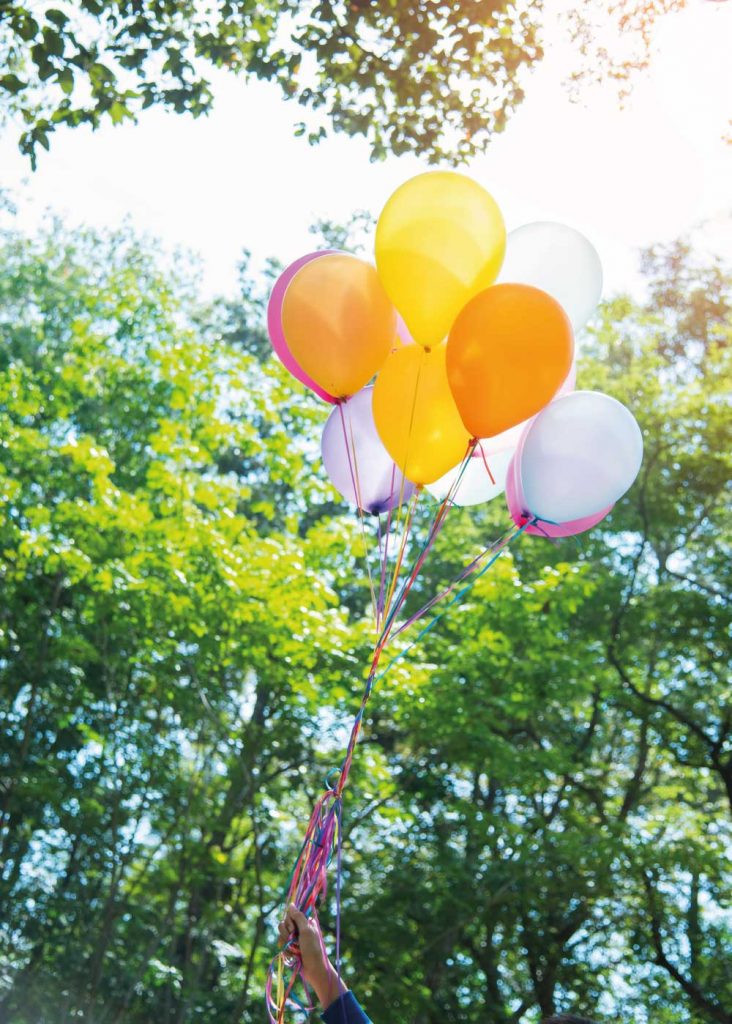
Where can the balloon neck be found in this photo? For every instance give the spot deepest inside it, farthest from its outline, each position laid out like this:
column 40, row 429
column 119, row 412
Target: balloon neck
column 535, row 520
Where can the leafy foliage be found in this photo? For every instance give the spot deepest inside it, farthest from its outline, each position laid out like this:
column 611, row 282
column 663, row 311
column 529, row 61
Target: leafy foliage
column 427, row 76
column 537, row 820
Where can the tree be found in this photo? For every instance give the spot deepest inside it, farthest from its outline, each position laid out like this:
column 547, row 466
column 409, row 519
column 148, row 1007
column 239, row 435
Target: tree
column 436, row 78
column 157, row 693
column 537, row 818
column 555, row 836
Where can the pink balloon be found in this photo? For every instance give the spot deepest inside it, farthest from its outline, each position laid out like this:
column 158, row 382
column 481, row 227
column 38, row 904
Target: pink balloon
column 521, row 514
column 274, row 323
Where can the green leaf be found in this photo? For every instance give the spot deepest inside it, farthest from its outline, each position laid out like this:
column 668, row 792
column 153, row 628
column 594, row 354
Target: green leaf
column 12, row 84
column 65, row 79
column 57, row 17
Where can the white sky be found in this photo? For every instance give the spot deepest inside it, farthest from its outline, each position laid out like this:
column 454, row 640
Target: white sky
column 239, row 177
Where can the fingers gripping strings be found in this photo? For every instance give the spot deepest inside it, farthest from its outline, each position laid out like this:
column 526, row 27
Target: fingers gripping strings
column 307, row 882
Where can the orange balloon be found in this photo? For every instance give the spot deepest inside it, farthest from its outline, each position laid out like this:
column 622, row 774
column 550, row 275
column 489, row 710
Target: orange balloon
column 507, row 355
column 415, row 413
column 338, row 322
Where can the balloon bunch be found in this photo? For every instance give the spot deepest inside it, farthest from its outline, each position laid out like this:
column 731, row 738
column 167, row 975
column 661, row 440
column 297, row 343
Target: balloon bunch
column 469, row 335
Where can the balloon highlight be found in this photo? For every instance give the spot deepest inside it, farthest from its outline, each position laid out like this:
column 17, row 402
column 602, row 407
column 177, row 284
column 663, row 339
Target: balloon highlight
column 416, row 416
column 439, row 241
column 338, row 322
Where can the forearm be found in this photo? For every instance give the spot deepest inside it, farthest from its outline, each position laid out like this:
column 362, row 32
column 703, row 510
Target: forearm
column 327, row 985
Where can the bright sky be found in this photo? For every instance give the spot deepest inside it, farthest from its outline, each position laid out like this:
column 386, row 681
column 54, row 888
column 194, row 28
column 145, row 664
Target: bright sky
column 240, row 179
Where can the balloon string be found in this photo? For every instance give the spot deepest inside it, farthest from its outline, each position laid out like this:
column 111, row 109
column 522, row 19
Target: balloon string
column 402, row 549
column 355, row 463
column 374, row 603
column 400, row 503
column 435, row 528
column 308, row 881
column 403, row 467
column 384, row 562
column 380, row 540
column 479, row 445
column 390, row 609
column 462, row 575
column 412, row 416
column 394, row 608
column 353, row 470
column 339, row 873
column 468, row 586
column 345, row 768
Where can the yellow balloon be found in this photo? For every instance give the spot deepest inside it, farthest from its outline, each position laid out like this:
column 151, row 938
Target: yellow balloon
column 416, row 416
column 440, row 240
column 338, row 322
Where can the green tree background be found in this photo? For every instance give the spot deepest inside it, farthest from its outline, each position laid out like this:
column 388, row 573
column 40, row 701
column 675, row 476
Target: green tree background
column 539, row 815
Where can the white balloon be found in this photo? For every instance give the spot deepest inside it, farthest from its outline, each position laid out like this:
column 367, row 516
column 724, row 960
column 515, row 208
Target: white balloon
column 475, row 485
column 578, row 456
column 560, row 261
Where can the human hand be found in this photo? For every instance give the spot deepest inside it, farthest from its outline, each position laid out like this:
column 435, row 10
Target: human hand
column 317, row 969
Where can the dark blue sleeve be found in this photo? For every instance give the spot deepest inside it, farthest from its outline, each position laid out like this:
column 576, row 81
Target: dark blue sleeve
column 345, row 1010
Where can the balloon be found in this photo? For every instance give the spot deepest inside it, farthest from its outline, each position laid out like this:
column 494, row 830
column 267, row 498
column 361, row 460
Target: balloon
column 356, row 461
column 517, row 506
column 475, row 485
column 570, row 381
column 415, row 414
column 403, row 336
column 507, row 355
column 560, row 261
column 338, row 322
column 274, row 323
column 507, row 440
column 439, row 241
column 578, row 456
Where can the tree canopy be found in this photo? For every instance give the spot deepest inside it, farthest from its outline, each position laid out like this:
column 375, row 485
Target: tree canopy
column 428, row 76
column 539, row 814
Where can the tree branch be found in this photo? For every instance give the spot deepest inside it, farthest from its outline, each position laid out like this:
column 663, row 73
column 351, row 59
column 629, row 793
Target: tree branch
column 699, row 999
